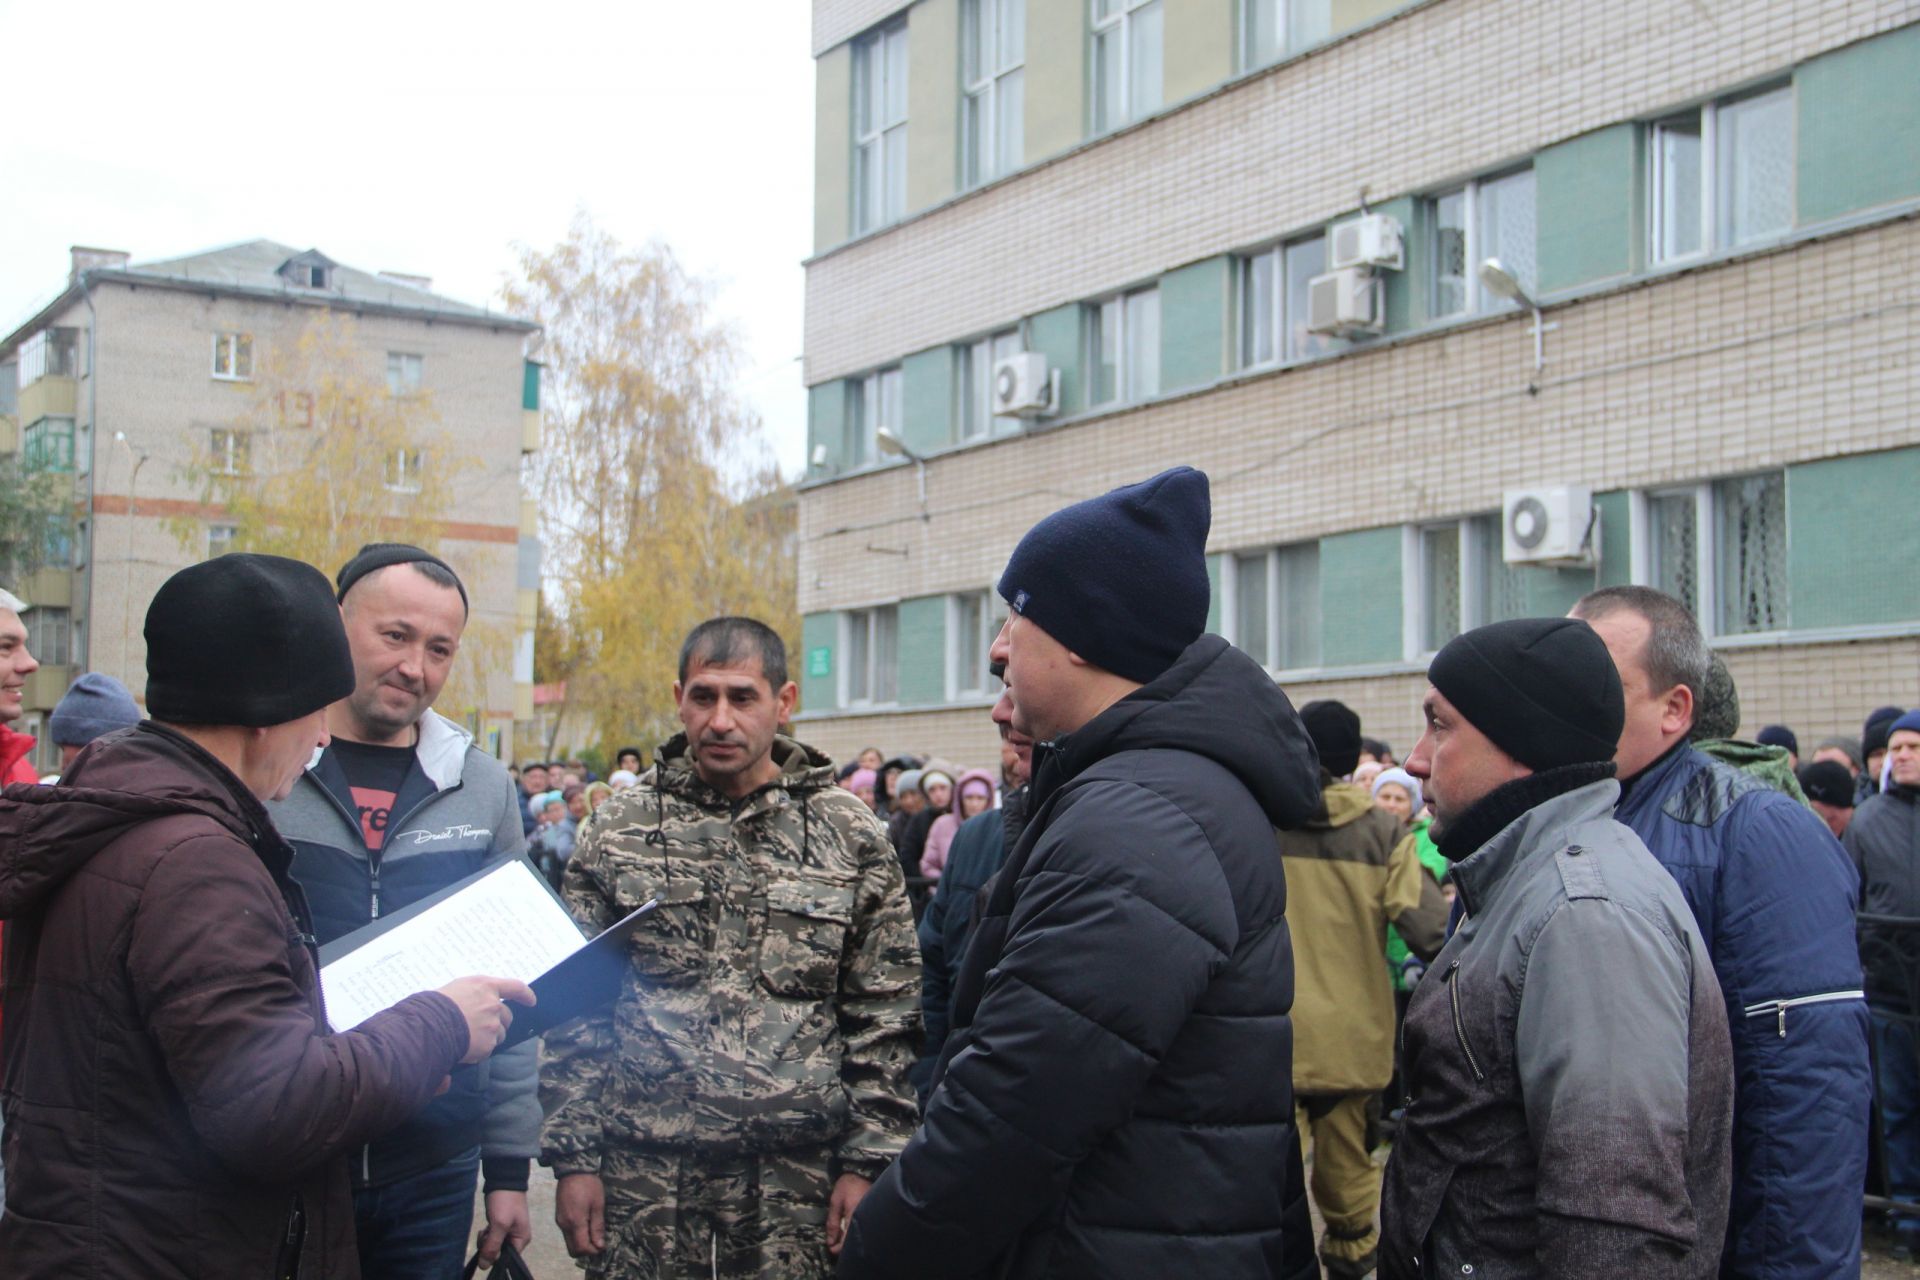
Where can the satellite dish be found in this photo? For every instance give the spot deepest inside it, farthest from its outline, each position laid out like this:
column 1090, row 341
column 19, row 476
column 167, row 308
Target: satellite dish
column 1527, row 522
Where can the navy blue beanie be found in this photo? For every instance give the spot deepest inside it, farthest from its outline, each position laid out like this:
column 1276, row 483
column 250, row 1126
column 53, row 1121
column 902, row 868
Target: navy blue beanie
column 1120, row 579
column 1778, row 735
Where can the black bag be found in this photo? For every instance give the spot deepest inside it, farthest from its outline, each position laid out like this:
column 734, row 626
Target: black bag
column 510, row 1266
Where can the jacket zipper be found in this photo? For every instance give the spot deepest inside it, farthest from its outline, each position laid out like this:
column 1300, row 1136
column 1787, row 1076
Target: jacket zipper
column 1779, row 1007
column 1459, row 1024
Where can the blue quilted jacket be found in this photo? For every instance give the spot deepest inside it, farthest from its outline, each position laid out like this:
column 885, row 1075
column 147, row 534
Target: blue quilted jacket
column 1774, row 895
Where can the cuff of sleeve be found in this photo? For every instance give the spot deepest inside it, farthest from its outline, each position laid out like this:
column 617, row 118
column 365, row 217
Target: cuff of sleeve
column 566, row 1164
column 504, row 1173
column 861, row 1165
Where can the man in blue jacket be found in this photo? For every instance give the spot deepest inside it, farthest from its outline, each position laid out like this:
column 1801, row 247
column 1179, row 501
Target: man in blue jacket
column 1774, row 895
column 1113, row 1100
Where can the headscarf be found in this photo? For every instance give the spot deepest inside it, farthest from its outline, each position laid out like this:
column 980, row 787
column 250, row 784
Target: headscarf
column 1404, row 779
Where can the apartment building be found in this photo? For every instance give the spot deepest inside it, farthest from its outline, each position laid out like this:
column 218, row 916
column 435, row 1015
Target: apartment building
column 1061, row 244
column 136, row 373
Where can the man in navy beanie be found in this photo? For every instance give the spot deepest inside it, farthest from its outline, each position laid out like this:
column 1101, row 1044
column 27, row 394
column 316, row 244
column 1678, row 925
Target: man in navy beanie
column 1112, row 1100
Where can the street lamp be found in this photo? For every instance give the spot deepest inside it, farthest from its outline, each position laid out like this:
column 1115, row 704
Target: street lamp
column 1503, row 282
column 893, row 444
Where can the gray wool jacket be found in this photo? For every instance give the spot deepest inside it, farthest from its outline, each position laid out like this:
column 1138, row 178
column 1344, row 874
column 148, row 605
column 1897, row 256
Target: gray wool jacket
column 458, row 811
column 1568, row 1060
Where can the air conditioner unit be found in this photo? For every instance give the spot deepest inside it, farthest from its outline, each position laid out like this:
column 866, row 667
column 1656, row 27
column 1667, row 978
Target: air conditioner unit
column 1549, row 524
column 1023, row 387
column 1346, row 303
column 1370, row 240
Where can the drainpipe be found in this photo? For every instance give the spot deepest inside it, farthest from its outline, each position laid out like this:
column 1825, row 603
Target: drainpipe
column 93, row 461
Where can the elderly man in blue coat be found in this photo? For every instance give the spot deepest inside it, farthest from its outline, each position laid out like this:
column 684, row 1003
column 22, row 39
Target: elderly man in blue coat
column 1774, row 895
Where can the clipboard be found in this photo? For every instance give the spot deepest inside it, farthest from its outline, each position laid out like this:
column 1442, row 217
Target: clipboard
column 504, row 920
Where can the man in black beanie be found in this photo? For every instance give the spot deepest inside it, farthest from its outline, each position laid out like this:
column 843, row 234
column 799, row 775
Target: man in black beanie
column 176, row 1104
column 1112, row 1098
column 1567, row 1056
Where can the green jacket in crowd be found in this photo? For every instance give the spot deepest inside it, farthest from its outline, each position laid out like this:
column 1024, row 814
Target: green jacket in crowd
column 1436, row 863
column 772, row 1001
column 1772, row 765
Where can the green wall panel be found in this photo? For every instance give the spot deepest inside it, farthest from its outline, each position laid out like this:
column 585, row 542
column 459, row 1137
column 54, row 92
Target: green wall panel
column 819, row 690
column 1213, row 592
column 923, row 650
column 1859, row 127
column 1587, row 195
column 1193, row 323
column 1360, row 597
column 1057, row 333
column 1616, row 539
column 832, row 146
column 1402, row 309
column 1549, row 593
column 926, row 392
column 1853, row 540
column 826, row 425
column 933, row 102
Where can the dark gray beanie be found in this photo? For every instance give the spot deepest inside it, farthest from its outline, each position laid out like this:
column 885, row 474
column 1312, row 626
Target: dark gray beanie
column 1120, row 579
column 245, row 639
column 93, row 705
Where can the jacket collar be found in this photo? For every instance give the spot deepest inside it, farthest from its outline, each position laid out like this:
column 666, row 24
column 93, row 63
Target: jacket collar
column 1652, row 781
column 1532, row 812
column 13, row 748
column 441, row 751
column 802, row 770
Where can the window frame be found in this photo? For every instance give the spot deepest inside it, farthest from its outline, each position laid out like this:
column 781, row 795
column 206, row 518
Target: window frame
column 411, row 370
column 1477, row 299
column 55, row 652
column 1129, row 383
column 1292, row 344
column 398, row 473
column 237, row 347
column 974, row 362
column 1276, row 583
column 43, row 437
column 991, row 611
column 224, row 544
column 873, row 129
column 1480, row 550
column 1121, row 24
column 1708, row 502
column 230, row 451
column 866, row 409
column 983, row 95
column 867, row 624
column 1715, row 231
column 1294, row 34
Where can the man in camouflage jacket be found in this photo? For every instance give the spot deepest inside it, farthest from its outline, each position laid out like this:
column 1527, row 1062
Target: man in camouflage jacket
column 726, row 1115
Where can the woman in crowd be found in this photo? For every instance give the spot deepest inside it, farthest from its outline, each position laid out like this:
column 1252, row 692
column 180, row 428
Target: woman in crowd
column 973, row 796
column 862, row 782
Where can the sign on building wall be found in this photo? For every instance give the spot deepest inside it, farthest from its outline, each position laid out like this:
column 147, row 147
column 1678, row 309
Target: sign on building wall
column 820, row 660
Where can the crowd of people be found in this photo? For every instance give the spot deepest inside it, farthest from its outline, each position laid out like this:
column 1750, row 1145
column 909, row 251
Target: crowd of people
column 1614, row 982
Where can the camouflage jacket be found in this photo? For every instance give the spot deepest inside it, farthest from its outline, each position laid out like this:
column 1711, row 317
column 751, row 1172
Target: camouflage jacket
column 772, row 1000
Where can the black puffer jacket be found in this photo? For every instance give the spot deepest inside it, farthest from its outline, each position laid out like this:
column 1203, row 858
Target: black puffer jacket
column 1114, row 1097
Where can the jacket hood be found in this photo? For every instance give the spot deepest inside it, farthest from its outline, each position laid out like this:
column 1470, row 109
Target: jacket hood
column 802, row 768
column 1214, row 702
column 442, row 750
column 1346, row 803
column 125, row 779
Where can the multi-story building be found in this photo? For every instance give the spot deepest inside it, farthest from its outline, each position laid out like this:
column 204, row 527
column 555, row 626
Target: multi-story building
column 134, row 374
column 1159, row 203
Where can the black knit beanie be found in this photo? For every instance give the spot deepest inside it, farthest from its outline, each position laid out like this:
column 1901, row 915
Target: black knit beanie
column 1545, row 690
column 245, row 639
column 1335, row 731
column 1120, row 579
column 380, row 555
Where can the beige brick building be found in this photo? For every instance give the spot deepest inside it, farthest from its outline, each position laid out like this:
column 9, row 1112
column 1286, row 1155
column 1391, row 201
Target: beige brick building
column 134, row 372
column 1717, row 209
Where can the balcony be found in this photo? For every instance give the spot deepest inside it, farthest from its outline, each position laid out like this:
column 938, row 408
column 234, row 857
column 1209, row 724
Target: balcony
column 51, row 396
column 529, row 431
column 47, row 686
column 48, row 587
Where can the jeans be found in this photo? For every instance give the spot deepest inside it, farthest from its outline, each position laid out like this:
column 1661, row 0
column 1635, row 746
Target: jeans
column 419, row 1228
column 1897, row 1050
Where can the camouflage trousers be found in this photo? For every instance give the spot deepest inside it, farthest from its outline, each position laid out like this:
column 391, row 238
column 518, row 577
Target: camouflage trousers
column 679, row 1215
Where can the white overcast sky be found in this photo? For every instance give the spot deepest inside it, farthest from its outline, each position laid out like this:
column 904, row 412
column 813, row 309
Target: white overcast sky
column 424, row 138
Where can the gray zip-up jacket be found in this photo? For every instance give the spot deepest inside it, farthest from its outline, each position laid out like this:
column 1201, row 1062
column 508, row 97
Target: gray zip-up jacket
column 457, row 811
column 1568, row 1059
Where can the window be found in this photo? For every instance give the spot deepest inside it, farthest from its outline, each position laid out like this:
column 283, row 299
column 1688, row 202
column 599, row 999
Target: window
column 1464, row 580
column 1722, row 176
column 1271, row 29
column 1751, row 542
column 403, row 373
column 973, row 620
column 875, row 401
column 1126, row 61
column 50, row 353
column 82, row 542
column 1673, row 524
column 872, row 646
column 47, row 445
column 231, row 452
column 1490, row 218
column 403, row 470
column 233, row 356
column 977, row 360
column 220, row 539
column 880, row 128
column 1271, row 605
column 993, row 53
column 49, row 635
column 1123, row 348
column 1274, row 307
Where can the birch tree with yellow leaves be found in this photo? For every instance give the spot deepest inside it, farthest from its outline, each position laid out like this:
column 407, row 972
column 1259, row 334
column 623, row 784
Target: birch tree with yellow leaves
column 660, row 506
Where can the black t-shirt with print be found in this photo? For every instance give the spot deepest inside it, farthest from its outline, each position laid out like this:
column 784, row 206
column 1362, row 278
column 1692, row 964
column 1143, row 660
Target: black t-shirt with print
column 375, row 776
